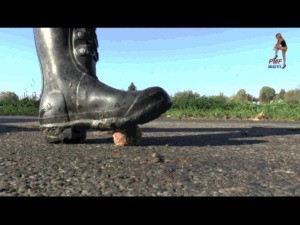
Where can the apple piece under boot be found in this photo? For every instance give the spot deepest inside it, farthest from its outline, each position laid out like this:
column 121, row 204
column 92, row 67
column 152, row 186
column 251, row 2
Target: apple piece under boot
column 130, row 136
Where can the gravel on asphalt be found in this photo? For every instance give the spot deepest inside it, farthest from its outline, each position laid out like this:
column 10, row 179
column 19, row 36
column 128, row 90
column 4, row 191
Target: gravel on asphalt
column 175, row 158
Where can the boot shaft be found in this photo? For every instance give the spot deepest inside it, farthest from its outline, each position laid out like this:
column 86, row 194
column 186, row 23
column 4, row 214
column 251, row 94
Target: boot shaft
column 60, row 49
column 65, row 56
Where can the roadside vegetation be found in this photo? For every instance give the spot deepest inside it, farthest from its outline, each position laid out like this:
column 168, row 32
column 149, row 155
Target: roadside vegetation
column 270, row 105
column 280, row 106
column 11, row 104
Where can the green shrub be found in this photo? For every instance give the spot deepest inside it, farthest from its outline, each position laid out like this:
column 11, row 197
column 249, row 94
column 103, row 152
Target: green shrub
column 266, row 94
column 292, row 96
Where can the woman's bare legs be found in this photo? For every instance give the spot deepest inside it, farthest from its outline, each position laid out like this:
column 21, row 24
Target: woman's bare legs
column 283, row 49
column 284, row 57
column 276, row 52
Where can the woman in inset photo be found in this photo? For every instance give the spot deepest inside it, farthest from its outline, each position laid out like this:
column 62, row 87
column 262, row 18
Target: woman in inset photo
column 281, row 45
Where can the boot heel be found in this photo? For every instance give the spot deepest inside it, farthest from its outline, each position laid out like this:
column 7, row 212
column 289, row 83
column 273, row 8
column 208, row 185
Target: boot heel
column 64, row 135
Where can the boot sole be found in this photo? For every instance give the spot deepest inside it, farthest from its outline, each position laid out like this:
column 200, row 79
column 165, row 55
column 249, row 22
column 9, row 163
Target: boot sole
column 64, row 134
column 74, row 131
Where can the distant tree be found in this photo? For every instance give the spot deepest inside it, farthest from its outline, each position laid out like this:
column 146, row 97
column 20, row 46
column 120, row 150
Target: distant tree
column 266, row 94
column 8, row 96
column 186, row 95
column 280, row 96
column 243, row 96
column 292, row 96
column 132, row 87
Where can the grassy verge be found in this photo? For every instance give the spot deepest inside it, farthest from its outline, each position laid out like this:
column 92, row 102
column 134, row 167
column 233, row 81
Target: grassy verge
column 24, row 107
column 274, row 111
column 198, row 108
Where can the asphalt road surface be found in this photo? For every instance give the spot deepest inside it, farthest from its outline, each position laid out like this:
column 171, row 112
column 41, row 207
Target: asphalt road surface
column 175, row 158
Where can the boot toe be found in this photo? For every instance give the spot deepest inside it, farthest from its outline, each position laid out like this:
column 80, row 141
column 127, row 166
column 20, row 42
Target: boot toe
column 159, row 97
column 149, row 105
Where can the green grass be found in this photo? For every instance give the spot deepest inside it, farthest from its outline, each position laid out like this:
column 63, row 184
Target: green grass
column 25, row 107
column 198, row 107
column 214, row 108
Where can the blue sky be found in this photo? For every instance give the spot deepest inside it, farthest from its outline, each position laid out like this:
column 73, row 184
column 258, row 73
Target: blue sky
column 204, row 60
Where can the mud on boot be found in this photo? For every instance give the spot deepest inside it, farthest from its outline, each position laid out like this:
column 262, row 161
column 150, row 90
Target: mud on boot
column 64, row 134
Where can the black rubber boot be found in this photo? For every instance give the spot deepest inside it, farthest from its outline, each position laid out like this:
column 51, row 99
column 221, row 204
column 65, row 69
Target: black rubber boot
column 74, row 100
